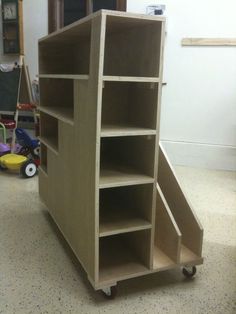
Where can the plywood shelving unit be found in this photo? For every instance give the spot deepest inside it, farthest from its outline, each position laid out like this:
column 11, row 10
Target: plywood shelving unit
column 104, row 178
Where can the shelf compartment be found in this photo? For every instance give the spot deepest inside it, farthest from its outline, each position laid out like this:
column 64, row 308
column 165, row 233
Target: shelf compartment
column 43, row 158
column 132, row 47
column 123, row 256
column 66, row 53
column 167, row 238
column 49, row 131
column 129, row 107
column 188, row 224
column 187, row 257
column 121, row 176
column 161, row 261
column 57, row 98
column 127, row 161
column 125, row 209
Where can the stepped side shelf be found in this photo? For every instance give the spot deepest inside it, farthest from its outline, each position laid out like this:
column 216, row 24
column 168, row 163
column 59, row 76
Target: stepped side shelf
column 183, row 214
column 167, row 236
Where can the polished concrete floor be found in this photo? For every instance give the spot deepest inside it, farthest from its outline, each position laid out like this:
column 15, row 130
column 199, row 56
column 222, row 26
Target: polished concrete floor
column 39, row 274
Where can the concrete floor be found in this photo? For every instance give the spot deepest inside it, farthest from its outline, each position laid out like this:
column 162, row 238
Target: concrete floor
column 39, row 274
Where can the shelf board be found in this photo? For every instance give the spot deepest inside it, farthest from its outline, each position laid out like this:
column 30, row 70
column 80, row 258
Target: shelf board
column 64, row 114
column 187, row 256
column 119, row 220
column 114, row 176
column 160, row 260
column 65, row 76
column 118, row 262
column 112, row 130
column 131, row 79
column 50, row 142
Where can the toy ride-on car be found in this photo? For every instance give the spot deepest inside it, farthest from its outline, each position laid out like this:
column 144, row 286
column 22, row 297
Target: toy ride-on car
column 29, row 146
column 26, row 166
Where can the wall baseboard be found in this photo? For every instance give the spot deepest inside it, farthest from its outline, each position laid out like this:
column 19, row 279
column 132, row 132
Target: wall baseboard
column 201, row 155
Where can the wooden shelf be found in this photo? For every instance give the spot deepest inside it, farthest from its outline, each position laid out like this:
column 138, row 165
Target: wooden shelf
column 118, row 261
column 121, row 221
column 112, row 130
column 65, row 76
column 64, row 114
column 130, row 106
column 119, row 165
column 187, row 256
column 131, row 79
column 114, row 176
column 99, row 162
column 51, row 142
column 161, row 261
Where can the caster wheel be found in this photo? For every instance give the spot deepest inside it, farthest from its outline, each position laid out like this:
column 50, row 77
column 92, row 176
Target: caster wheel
column 28, row 169
column 110, row 293
column 189, row 272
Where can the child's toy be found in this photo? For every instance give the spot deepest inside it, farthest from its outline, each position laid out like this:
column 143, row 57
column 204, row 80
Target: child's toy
column 27, row 167
column 3, row 131
column 29, row 146
column 4, row 149
column 27, row 161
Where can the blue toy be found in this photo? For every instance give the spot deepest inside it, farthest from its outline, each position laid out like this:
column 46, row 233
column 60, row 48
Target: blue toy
column 29, row 145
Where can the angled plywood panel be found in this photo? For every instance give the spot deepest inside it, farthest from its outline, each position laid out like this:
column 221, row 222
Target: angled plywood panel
column 188, row 223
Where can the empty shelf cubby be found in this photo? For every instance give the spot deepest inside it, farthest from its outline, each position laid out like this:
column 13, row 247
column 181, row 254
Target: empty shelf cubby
column 57, row 98
column 132, row 47
column 129, row 108
column 124, row 255
column 125, row 209
column 49, row 131
column 127, row 161
column 68, row 53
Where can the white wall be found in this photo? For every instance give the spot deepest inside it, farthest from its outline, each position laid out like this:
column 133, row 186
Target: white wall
column 35, row 26
column 198, row 122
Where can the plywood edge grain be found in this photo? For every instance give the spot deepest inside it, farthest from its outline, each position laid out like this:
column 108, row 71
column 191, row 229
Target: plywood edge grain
column 208, row 42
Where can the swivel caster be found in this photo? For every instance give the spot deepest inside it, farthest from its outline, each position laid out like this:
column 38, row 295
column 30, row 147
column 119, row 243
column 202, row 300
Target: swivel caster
column 189, row 271
column 109, row 293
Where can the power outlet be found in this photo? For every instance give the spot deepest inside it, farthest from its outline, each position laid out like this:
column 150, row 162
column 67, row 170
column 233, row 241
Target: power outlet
column 155, row 9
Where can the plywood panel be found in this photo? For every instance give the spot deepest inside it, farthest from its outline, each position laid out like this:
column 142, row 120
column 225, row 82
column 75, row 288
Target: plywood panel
column 167, row 233
column 208, row 42
column 185, row 218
